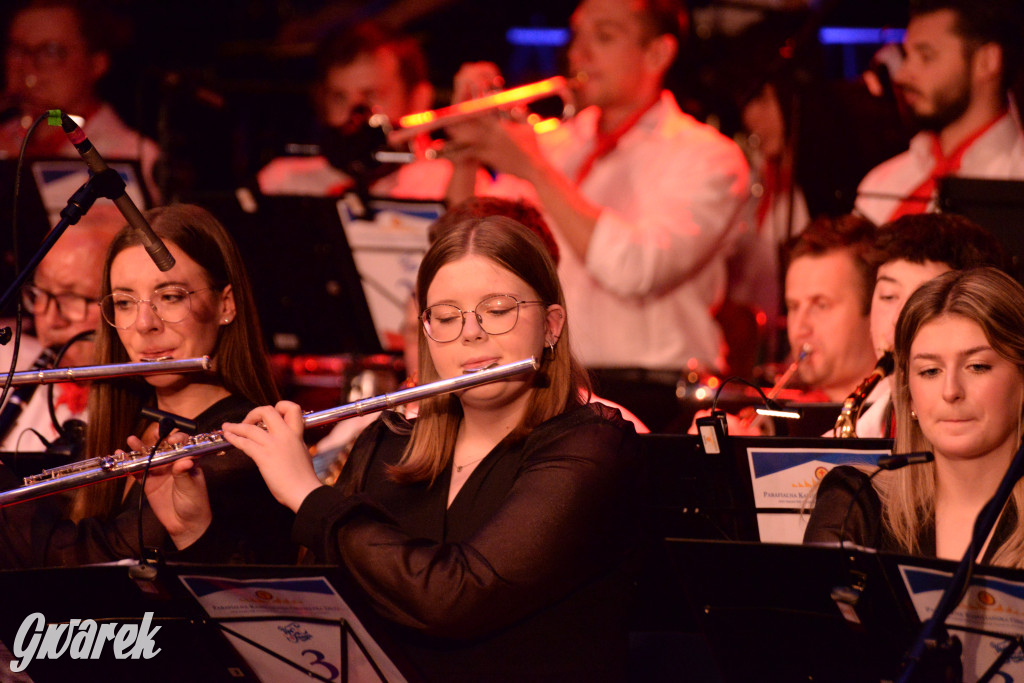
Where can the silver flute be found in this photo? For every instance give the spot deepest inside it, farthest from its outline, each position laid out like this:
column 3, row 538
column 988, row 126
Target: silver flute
column 88, row 372
column 94, row 470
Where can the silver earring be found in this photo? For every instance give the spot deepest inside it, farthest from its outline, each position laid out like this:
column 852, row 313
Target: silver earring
column 913, row 415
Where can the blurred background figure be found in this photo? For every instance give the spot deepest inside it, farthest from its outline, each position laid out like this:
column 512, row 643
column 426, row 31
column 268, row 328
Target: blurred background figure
column 361, row 71
column 829, row 281
column 961, row 60
column 57, row 53
column 63, row 299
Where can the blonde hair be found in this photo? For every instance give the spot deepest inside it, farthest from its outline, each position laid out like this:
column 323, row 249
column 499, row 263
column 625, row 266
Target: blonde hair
column 995, row 302
column 556, row 385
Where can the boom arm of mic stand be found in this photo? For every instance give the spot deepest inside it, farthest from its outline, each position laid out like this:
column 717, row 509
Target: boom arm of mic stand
column 983, row 525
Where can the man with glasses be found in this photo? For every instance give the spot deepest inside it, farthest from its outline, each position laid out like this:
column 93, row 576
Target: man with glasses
column 63, row 300
column 56, row 53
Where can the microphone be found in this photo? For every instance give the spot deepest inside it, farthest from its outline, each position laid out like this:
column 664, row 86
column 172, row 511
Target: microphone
column 156, row 249
column 169, row 421
column 900, row 460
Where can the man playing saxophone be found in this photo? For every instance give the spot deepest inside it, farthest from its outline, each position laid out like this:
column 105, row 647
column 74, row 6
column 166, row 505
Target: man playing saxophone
column 908, row 252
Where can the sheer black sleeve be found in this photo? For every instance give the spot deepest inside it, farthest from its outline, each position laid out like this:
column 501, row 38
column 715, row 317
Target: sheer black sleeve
column 834, row 516
column 563, row 522
column 254, row 527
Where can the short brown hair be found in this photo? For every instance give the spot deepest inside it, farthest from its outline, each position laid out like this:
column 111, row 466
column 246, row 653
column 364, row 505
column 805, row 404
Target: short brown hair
column 849, row 233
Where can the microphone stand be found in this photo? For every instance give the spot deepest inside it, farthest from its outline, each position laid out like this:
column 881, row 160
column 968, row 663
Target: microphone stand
column 933, row 635
column 107, row 184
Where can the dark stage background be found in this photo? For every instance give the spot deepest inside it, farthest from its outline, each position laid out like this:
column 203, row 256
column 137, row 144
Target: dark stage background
column 222, row 85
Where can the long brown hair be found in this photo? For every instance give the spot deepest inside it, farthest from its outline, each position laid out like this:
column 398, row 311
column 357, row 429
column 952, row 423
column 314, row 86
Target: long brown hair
column 557, row 384
column 995, row 302
column 241, row 362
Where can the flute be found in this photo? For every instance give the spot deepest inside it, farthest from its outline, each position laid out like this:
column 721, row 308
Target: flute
column 89, row 372
column 106, row 467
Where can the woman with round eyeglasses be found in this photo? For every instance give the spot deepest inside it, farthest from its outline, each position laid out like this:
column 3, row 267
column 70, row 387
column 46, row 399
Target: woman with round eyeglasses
column 202, row 306
column 959, row 393
column 491, row 531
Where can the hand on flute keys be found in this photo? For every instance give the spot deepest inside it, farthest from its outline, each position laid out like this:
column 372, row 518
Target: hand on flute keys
column 278, row 450
column 178, row 496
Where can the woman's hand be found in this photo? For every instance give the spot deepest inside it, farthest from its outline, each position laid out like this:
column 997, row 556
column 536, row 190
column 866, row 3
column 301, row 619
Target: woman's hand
column 177, row 493
column 278, row 450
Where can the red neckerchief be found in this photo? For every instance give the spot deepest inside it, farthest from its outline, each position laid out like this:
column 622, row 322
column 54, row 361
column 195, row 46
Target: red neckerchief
column 917, row 201
column 74, row 395
column 774, row 180
column 608, row 141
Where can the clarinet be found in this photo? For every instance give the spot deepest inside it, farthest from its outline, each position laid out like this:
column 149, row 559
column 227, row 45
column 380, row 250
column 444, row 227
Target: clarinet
column 22, row 394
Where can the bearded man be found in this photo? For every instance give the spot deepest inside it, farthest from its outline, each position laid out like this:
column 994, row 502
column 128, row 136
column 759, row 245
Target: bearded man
column 961, row 57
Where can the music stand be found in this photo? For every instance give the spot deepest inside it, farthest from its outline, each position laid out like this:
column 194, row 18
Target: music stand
column 200, row 639
column 989, row 620
column 996, row 205
column 768, row 614
column 305, row 282
column 689, row 493
column 782, row 473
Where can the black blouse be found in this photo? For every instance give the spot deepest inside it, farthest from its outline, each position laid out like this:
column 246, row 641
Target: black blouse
column 523, row 577
column 864, row 525
column 253, row 529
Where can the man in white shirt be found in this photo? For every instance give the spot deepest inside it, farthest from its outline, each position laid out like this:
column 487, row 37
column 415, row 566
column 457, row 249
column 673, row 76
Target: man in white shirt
column 961, row 57
column 643, row 200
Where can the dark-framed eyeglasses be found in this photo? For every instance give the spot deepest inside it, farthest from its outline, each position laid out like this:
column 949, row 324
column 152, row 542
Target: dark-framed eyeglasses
column 170, row 304
column 71, row 307
column 496, row 315
column 44, row 55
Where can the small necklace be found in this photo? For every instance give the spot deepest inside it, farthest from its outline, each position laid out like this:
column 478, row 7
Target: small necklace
column 458, row 468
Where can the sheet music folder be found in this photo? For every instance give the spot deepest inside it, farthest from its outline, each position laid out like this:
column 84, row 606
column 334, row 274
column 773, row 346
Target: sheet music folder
column 215, row 623
column 770, row 613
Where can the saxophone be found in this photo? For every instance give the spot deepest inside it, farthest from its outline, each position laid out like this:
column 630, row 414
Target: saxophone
column 846, row 423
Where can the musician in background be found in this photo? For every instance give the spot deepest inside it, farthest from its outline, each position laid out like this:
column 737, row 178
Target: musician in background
column 828, row 288
column 359, row 70
column 961, row 59
column 491, row 532
column 960, row 394
column 202, row 306
column 63, row 299
column 57, row 53
column 643, row 200
column 909, row 252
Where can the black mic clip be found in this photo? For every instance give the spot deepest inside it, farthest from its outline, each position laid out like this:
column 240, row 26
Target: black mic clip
column 107, row 183
column 169, row 421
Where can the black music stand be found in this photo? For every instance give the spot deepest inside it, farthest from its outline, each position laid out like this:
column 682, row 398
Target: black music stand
column 768, row 614
column 304, row 279
column 996, row 205
column 194, row 646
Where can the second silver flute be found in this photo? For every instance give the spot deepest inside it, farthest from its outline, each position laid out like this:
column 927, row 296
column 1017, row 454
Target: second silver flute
column 106, row 467
column 89, row 372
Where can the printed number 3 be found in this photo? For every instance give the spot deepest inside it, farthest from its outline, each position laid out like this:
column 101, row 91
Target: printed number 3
column 319, row 660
